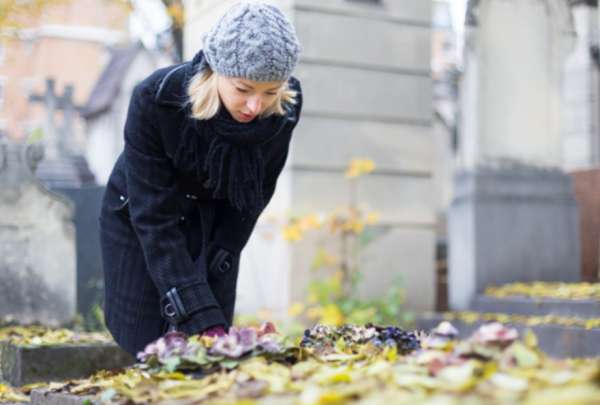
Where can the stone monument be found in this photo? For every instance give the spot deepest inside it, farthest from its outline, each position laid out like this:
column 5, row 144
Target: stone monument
column 514, row 216
column 37, row 243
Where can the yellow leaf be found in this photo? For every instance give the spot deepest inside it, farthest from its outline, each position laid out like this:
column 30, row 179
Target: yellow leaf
column 309, row 222
column 331, row 315
column 331, row 398
column 530, row 339
column 358, row 227
column 292, row 233
column 336, row 377
column 296, row 309
column 391, row 354
column 314, row 313
column 372, row 218
column 323, row 259
column 359, row 167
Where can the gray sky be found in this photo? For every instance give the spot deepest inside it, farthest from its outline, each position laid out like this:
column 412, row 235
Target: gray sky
column 458, row 13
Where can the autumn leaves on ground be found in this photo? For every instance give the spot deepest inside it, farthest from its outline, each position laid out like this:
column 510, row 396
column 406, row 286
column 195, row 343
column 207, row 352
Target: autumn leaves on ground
column 350, row 364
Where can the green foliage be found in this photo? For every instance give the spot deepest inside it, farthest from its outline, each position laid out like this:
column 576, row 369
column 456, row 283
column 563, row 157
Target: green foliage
column 94, row 320
column 36, row 135
column 386, row 310
column 334, row 298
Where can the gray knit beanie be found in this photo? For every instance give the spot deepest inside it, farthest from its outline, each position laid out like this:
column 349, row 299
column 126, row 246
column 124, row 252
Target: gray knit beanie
column 254, row 41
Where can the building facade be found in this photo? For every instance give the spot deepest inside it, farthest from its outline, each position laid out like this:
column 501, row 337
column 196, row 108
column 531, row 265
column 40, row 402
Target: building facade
column 68, row 42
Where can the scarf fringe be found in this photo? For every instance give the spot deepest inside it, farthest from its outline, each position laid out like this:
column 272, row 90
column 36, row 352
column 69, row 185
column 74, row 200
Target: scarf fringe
column 235, row 173
column 233, row 166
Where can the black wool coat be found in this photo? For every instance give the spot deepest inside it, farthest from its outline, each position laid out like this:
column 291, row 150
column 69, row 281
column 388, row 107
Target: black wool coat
column 161, row 229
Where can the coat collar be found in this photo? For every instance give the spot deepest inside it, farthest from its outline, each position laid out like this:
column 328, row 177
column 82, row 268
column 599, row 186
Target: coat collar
column 171, row 88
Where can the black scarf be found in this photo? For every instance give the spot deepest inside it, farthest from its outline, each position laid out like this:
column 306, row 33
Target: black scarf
column 233, row 165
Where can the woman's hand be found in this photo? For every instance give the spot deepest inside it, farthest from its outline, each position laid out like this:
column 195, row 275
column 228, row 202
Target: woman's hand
column 214, row 331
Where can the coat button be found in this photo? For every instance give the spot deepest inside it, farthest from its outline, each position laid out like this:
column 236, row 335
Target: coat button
column 169, row 311
column 182, row 219
column 224, row 266
column 122, row 198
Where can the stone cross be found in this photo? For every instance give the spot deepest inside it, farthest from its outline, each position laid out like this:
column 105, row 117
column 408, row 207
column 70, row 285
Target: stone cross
column 64, row 165
column 58, row 140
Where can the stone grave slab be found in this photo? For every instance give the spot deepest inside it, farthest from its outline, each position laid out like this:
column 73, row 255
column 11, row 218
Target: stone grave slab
column 21, row 365
column 46, row 397
column 555, row 340
column 538, row 307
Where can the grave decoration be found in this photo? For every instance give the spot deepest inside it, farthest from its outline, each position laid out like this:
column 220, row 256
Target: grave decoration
column 350, row 364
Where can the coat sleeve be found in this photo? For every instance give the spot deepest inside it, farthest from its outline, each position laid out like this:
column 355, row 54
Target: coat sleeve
column 154, row 215
column 233, row 228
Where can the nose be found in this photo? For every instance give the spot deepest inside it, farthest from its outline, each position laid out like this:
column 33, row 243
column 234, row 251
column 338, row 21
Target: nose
column 254, row 105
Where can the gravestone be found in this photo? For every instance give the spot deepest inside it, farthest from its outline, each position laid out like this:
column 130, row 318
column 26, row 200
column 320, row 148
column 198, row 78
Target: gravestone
column 65, row 170
column 511, row 224
column 514, row 216
column 37, row 243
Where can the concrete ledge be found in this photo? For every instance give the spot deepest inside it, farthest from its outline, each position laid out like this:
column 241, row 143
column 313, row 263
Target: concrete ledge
column 22, row 365
column 530, row 306
column 555, row 340
column 45, row 397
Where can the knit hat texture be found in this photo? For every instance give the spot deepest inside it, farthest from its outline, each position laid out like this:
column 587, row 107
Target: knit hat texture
column 254, row 41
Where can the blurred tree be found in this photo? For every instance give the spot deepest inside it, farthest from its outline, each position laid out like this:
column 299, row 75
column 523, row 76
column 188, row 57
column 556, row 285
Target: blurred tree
column 14, row 12
column 176, row 11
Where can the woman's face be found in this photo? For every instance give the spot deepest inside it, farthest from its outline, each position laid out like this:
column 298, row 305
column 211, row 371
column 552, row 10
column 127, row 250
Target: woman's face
column 246, row 99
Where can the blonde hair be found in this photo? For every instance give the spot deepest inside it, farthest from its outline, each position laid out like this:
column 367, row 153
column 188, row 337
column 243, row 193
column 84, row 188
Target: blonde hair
column 204, row 97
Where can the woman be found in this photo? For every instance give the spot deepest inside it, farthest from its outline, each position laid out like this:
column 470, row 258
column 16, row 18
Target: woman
column 205, row 142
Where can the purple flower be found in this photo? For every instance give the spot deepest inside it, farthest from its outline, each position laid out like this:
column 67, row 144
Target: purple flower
column 247, row 338
column 445, row 329
column 175, row 340
column 495, row 334
column 238, row 342
column 266, row 328
column 228, row 346
column 169, row 345
column 270, row 343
